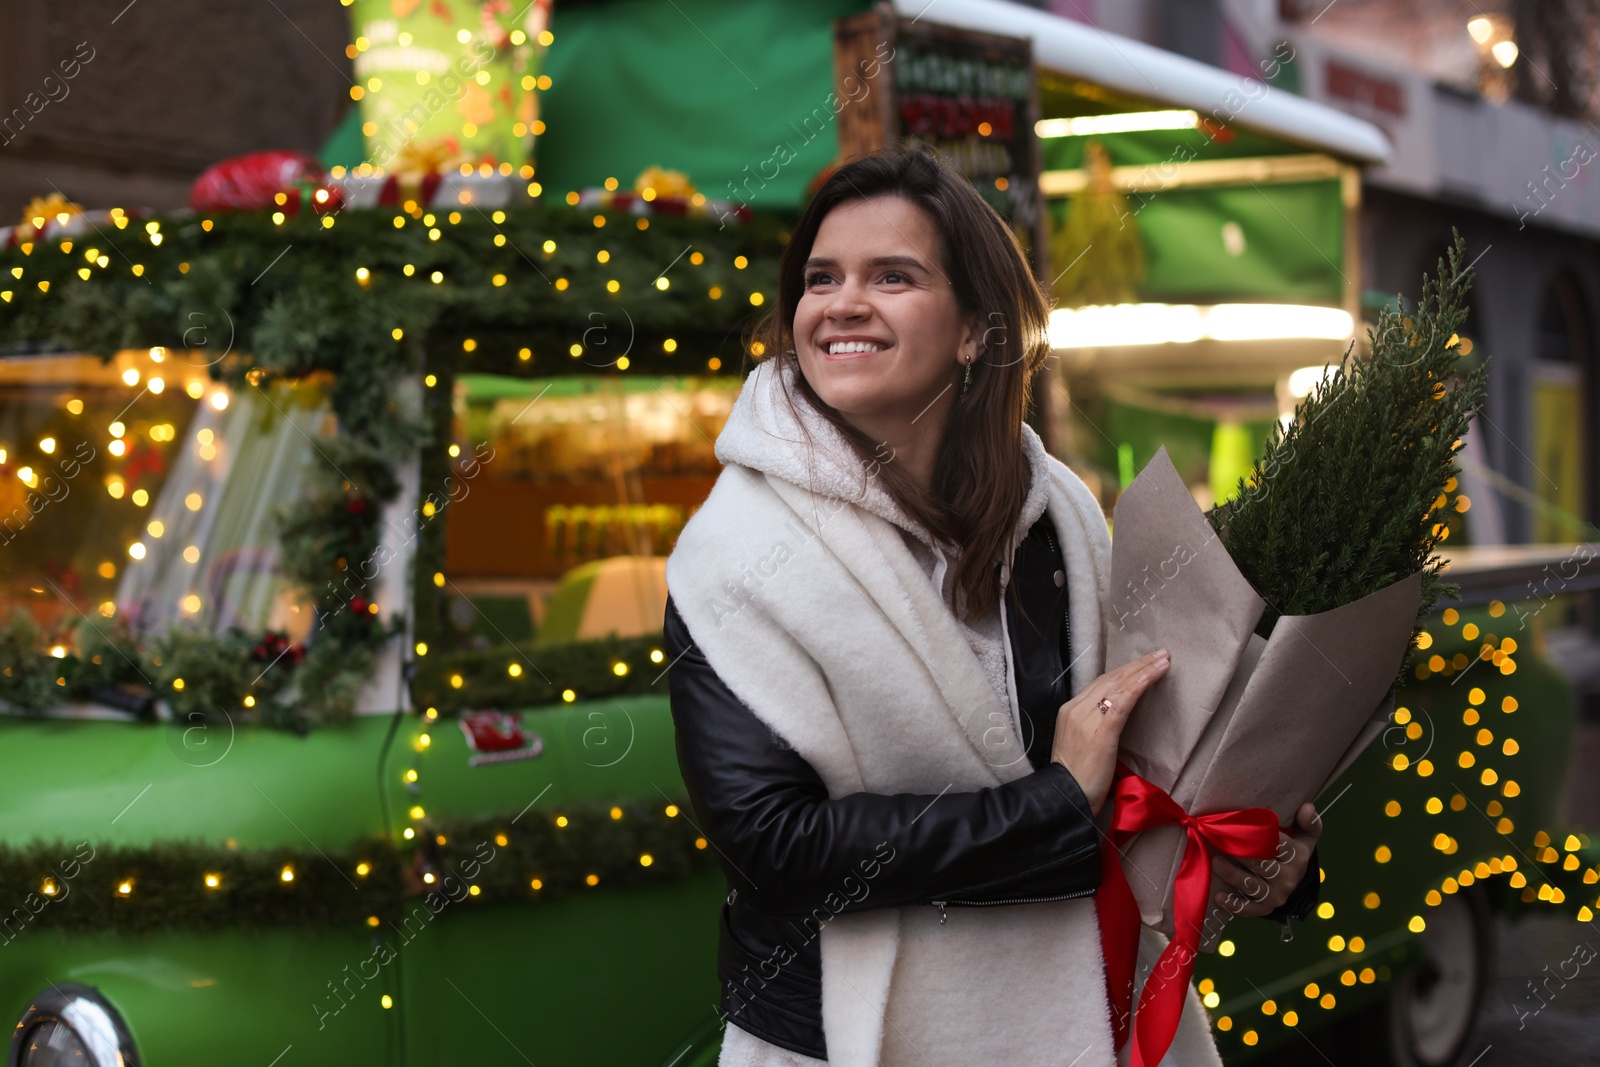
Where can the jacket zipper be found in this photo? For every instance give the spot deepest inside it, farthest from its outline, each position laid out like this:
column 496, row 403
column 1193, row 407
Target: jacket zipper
column 1012, row 696
column 1066, row 628
column 940, row 904
column 1066, row 623
column 1066, row 614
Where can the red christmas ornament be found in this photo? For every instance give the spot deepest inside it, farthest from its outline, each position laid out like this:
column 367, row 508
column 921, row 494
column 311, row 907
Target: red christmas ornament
column 274, row 648
column 252, row 182
column 358, row 605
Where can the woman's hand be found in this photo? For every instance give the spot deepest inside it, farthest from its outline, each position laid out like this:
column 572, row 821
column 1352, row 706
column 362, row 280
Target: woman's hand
column 1260, row 887
column 1086, row 736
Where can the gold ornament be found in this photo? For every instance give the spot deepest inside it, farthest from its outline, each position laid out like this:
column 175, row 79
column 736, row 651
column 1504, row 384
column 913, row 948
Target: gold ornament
column 41, row 210
column 438, row 156
column 666, row 183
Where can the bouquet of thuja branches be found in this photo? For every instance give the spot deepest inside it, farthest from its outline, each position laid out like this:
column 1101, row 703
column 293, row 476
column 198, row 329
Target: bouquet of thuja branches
column 1288, row 615
column 1352, row 495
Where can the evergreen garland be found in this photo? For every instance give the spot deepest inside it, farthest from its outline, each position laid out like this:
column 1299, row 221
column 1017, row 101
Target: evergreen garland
column 28, row 674
column 309, row 310
column 200, row 674
column 1355, row 494
column 467, row 680
column 165, row 885
column 366, row 301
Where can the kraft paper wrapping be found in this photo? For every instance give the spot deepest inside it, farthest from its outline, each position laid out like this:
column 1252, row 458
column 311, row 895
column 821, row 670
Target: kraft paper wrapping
column 1238, row 721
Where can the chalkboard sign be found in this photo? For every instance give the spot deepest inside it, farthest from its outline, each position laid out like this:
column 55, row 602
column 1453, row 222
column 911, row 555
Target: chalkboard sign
column 972, row 97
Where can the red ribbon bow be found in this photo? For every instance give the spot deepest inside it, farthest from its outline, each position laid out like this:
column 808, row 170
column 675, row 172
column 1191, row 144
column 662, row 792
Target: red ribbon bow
column 1251, row 833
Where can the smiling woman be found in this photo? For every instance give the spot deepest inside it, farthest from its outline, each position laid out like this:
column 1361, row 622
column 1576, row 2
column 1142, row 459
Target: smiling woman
column 899, row 730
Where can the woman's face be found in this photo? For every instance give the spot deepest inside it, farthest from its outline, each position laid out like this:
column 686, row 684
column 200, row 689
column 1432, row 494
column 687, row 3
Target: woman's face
column 877, row 330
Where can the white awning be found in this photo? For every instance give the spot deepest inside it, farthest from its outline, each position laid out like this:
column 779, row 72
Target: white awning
column 1140, row 70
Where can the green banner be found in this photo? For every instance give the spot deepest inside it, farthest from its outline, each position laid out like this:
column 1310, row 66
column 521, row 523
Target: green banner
column 1249, row 241
column 740, row 97
column 1256, row 242
column 444, row 83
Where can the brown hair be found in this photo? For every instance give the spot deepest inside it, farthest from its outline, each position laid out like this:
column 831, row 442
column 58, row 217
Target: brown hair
column 979, row 477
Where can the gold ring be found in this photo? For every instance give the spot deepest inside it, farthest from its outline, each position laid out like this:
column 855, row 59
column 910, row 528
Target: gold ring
column 1104, row 705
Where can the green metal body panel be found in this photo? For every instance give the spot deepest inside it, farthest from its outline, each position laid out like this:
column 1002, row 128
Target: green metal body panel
column 622, row 977
column 133, row 783
column 129, row 783
column 618, row 978
column 620, row 748
column 213, row 998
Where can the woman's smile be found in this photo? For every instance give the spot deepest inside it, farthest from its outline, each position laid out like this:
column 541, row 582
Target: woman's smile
column 836, row 348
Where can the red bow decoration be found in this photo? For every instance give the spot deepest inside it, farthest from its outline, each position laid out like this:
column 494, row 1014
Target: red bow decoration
column 1251, row 833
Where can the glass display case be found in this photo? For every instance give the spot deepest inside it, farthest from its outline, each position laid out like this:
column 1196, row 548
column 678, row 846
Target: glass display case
column 574, row 470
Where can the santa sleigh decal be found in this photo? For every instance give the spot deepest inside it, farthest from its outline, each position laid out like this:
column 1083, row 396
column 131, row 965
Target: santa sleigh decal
column 498, row 737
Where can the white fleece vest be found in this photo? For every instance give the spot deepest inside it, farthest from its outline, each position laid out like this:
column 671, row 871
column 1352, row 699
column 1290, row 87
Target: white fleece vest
column 796, row 583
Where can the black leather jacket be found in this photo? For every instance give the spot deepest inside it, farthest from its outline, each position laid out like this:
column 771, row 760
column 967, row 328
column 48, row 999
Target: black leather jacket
column 794, row 857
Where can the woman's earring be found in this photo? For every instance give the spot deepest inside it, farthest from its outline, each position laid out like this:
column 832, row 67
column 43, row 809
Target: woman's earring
column 966, row 381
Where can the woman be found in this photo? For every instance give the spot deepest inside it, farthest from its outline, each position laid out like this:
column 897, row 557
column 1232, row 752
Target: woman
column 885, row 717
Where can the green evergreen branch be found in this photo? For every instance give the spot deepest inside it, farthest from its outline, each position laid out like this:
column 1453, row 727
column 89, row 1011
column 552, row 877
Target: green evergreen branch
column 1357, row 491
